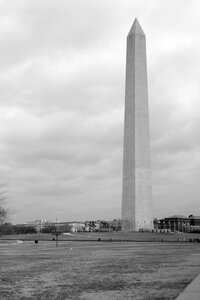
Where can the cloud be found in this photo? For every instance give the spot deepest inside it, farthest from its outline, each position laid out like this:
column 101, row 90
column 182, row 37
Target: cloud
column 62, row 81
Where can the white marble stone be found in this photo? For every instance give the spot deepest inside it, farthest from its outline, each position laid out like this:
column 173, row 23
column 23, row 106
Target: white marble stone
column 137, row 208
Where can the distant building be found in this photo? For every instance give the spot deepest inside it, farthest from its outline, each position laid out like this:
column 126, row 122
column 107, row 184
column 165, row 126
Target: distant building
column 74, row 226
column 90, row 225
column 117, row 225
column 179, row 223
column 77, row 226
column 103, row 226
column 194, row 223
column 194, row 220
column 37, row 224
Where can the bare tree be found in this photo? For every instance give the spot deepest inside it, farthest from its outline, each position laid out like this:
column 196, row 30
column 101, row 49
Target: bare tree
column 3, row 211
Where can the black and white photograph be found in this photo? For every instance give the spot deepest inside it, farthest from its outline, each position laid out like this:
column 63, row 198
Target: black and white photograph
column 99, row 149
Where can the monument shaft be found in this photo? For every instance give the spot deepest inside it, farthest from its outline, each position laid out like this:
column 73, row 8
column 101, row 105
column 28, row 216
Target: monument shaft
column 137, row 209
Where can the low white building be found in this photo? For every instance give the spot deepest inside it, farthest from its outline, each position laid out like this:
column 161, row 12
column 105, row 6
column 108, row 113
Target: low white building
column 77, row 226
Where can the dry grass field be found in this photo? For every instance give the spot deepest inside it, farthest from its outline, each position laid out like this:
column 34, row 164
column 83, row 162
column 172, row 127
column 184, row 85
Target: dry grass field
column 96, row 270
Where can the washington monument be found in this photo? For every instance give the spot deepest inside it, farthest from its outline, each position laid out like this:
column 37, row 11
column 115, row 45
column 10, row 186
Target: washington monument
column 137, row 208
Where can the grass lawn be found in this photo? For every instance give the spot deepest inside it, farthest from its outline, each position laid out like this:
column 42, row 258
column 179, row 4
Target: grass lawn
column 96, row 270
column 106, row 236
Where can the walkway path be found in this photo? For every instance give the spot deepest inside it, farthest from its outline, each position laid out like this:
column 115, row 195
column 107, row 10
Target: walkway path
column 192, row 291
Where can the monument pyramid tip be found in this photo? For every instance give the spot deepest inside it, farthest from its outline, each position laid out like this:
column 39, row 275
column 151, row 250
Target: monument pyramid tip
column 136, row 28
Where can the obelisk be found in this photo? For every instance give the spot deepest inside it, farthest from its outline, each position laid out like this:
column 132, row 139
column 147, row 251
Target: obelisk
column 137, row 208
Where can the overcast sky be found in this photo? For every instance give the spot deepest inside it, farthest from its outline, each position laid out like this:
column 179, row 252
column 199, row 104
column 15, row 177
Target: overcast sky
column 62, row 81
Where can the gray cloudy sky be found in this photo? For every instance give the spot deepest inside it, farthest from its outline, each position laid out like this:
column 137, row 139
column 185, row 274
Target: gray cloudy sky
column 62, row 78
